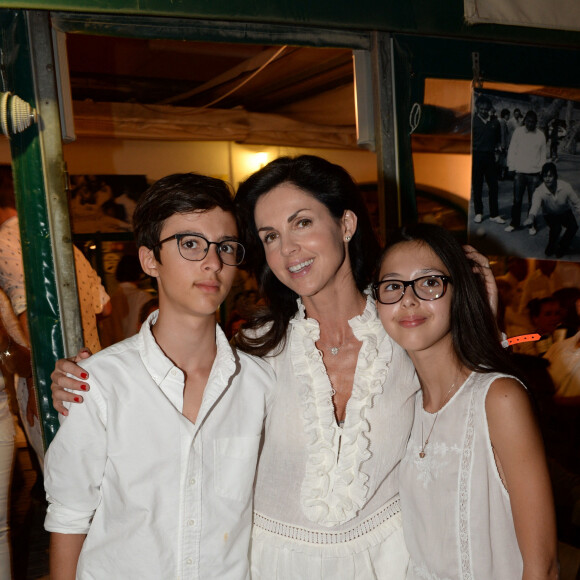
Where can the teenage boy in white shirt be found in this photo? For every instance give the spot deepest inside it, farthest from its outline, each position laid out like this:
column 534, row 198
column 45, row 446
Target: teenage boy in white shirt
column 152, row 477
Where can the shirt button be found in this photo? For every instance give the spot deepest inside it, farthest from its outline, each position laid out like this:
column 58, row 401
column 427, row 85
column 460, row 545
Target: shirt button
column 173, row 372
column 189, row 561
column 192, row 481
column 190, row 522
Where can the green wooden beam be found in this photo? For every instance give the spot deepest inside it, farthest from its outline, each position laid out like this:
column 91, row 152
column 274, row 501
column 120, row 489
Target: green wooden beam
column 38, row 169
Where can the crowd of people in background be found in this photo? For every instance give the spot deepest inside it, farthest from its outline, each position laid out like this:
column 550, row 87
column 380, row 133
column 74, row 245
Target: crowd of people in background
column 543, row 297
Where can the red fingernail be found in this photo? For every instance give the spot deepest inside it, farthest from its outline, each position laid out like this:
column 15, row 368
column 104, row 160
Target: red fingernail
column 84, row 376
column 84, row 388
column 77, row 399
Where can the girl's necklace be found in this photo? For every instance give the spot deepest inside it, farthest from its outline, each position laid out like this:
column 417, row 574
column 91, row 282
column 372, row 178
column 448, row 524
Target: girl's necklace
column 422, row 452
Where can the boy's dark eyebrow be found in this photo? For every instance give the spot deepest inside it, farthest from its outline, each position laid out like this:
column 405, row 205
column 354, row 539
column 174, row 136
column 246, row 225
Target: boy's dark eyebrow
column 223, row 238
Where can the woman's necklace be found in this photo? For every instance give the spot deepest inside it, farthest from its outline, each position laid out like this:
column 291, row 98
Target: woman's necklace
column 422, row 452
column 333, row 349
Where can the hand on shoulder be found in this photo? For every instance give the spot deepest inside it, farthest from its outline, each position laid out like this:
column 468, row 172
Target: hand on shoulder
column 61, row 379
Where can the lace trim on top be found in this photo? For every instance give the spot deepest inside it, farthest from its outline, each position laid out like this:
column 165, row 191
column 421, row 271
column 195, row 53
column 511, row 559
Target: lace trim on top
column 334, row 488
column 464, row 492
column 312, row 537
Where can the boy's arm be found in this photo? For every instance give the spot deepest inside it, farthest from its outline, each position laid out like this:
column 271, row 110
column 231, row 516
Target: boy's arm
column 64, row 555
column 74, row 468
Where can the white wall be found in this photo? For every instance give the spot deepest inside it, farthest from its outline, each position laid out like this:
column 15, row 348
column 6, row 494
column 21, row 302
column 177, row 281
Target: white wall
column 234, row 162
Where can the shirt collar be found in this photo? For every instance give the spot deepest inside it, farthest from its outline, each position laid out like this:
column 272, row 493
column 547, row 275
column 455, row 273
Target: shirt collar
column 158, row 365
column 154, row 359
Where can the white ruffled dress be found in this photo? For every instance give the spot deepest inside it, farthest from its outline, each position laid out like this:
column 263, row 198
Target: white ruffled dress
column 326, row 499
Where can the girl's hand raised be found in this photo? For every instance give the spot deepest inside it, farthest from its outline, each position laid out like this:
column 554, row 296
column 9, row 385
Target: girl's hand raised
column 483, row 268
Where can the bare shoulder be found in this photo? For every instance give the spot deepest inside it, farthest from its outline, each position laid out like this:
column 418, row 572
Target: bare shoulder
column 505, row 393
column 508, row 407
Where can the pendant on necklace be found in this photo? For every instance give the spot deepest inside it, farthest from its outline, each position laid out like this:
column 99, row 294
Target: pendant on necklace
column 334, row 350
column 422, row 454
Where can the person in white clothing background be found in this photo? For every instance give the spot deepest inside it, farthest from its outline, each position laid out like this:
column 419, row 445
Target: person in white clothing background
column 475, row 491
column 153, row 476
column 558, row 203
column 526, row 156
column 14, row 359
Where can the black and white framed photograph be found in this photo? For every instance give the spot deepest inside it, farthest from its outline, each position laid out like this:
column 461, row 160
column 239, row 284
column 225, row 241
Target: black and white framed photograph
column 525, row 180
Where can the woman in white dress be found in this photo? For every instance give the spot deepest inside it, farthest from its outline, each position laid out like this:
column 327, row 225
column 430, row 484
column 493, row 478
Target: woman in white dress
column 326, row 497
column 475, row 491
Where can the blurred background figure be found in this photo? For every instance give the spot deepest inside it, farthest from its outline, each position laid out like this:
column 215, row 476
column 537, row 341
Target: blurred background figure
column 544, row 318
column 511, row 288
column 564, row 356
column 566, row 274
column 540, row 283
column 243, row 303
column 126, row 301
column 14, row 359
column 570, row 323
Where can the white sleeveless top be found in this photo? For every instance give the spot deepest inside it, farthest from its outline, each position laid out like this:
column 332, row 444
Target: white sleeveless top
column 457, row 515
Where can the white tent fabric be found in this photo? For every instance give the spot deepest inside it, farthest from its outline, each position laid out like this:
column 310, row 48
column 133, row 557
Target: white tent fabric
column 556, row 14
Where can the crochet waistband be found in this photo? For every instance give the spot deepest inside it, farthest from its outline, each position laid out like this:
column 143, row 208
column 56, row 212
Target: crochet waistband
column 322, row 537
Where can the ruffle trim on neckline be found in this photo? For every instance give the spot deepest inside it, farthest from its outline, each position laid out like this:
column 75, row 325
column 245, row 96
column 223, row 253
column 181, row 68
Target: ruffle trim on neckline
column 334, row 490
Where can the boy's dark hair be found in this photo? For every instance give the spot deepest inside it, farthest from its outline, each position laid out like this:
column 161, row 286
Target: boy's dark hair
column 531, row 115
column 505, row 113
column 174, row 194
column 474, row 330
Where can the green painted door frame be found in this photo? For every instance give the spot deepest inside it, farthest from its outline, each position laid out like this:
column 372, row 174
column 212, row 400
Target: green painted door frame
column 39, row 182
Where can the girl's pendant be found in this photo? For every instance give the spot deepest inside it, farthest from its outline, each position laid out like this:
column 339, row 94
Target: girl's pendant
column 421, row 454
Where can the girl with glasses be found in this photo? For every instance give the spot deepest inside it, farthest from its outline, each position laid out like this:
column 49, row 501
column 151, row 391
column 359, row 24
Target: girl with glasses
column 474, row 485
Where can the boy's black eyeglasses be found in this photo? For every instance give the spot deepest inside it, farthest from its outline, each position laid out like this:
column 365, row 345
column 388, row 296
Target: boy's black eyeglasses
column 194, row 248
column 425, row 288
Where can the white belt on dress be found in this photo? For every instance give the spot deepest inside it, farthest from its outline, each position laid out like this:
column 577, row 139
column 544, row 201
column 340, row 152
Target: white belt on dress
column 321, row 537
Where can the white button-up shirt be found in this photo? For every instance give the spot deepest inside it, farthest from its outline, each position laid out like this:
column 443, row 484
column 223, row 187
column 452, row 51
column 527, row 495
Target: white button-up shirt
column 158, row 496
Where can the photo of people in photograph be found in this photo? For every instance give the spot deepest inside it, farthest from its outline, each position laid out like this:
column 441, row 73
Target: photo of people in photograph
column 525, row 181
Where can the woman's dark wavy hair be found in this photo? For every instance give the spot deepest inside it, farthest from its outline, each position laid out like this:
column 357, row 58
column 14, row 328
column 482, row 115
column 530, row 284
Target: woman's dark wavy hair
column 474, row 329
column 331, row 185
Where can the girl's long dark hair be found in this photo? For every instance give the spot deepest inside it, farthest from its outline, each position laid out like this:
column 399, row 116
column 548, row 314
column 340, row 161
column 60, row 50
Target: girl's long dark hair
column 474, row 330
column 331, row 185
